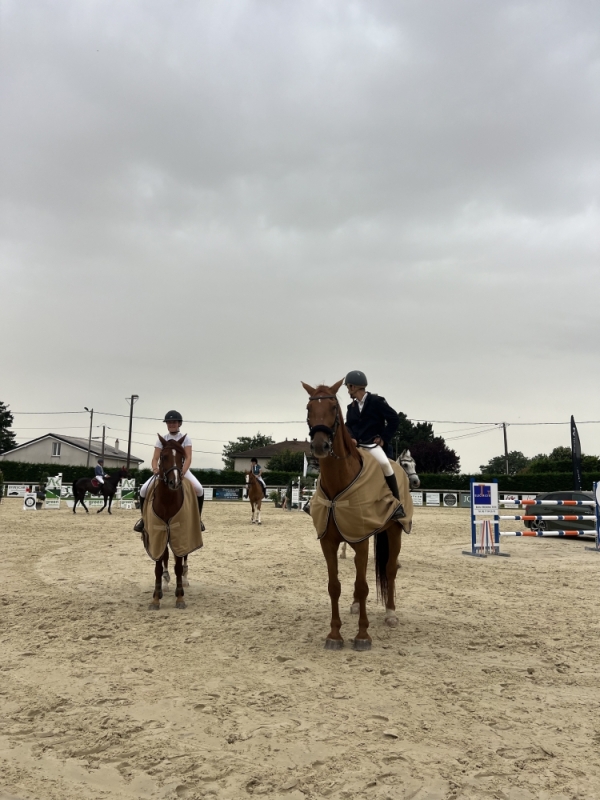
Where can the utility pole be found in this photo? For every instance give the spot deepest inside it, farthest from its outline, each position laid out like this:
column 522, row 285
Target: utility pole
column 505, row 448
column 91, row 413
column 103, row 439
column 131, row 402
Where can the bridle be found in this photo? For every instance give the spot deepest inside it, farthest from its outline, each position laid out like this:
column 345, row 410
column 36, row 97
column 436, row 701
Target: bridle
column 164, row 476
column 329, row 432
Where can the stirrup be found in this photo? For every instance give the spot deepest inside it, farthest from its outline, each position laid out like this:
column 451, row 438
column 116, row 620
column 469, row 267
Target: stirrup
column 202, row 526
column 399, row 513
column 306, row 509
column 139, row 525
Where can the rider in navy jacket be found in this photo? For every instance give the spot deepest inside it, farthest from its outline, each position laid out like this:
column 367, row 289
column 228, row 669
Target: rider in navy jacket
column 372, row 424
column 377, row 419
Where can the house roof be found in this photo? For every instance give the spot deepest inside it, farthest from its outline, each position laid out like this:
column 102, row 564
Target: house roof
column 81, row 444
column 293, row 445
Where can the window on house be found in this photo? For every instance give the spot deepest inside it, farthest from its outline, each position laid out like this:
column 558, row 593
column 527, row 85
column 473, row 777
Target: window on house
column 56, row 448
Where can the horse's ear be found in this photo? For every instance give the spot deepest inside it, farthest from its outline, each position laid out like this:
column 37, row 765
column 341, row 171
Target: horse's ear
column 336, row 386
column 161, row 440
column 407, row 454
column 182, row 440
column 308, row 388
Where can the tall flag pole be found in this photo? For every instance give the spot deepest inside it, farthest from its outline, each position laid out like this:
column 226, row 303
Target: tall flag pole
column 576, row 453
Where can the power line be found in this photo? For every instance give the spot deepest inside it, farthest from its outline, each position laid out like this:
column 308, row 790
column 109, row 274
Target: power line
column 300, row 421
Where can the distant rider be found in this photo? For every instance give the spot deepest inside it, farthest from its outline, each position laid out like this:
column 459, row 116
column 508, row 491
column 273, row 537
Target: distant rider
column 174, row 421
column 256, row 470
column 99, row 473
column 372, row 424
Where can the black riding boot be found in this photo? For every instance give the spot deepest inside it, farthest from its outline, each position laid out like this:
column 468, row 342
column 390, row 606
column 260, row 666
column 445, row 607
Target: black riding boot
column 139, row 525
column 393, row 484
column 200, row 504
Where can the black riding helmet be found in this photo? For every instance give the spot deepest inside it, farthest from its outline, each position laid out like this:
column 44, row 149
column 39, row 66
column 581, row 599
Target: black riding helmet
column 173, row 416
column 356, row 378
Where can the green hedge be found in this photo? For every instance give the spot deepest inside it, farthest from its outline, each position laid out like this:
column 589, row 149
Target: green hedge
column 36, row 473
column 540, row 482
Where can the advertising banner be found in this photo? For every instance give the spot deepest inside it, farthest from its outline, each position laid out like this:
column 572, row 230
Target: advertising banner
column 127, row 493
column 417, row 498
column 485, row 499
column 432, row 498
column 53, row 490
column 450, row 499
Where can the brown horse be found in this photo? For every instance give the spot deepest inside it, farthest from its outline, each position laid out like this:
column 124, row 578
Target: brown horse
column 255, row 495
column 167, row 500
column 341, row 463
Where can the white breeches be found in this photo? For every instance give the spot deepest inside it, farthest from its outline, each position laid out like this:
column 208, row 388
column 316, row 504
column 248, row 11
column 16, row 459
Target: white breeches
column 198, row 488
column 100, row 479
column 258, row 478
column 379, row 456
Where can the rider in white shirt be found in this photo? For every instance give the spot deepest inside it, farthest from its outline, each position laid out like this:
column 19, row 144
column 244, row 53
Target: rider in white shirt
column 174, row 421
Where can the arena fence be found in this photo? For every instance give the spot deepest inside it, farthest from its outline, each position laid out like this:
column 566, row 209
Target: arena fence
column 486, row 517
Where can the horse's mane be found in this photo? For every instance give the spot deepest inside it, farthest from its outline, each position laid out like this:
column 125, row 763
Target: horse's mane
column 348, row 443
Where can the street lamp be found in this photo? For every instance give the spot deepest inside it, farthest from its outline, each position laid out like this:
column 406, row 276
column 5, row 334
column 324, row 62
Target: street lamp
column 131, row 402
column 91, row 413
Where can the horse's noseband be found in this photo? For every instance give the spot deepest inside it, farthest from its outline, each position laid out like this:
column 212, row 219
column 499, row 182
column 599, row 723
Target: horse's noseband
column 329, row 432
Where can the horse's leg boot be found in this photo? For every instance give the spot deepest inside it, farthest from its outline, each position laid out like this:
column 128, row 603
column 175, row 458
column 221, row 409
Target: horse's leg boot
column 139, row 525
column 200, row 504
column 393, row 484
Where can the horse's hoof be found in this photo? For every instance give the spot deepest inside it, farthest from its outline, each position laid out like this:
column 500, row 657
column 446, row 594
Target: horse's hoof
column 259, row 523
column 334, row 644
column 355, row 608
column 391, row 621
column 180, row 604
column 361, row 644
column 153, row 606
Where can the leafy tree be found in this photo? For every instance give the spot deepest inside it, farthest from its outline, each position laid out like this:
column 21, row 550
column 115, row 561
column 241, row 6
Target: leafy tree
column 287, row 461
column 7, row 437
column 497, row 465
column 434, row 456
column 244, row 443
column 561, row 460
column 431, row 453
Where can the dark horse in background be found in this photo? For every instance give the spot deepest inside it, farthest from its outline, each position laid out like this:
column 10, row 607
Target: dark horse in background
column 107, row 489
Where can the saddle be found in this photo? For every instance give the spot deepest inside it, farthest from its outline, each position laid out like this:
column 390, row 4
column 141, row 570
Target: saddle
column 95, row 483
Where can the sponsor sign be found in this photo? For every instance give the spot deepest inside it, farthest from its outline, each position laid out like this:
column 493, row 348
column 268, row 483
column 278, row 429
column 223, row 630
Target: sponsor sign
column 29, row 502
column 417, row 498
column 295, row 495
column 432, row 498
column 127, row 493
column 465, row 500
column 450, row 499
column 510, row 496
column 53, row 489
column 485, row 499
column 208, row 493
column 223, row 493
column 16, row 491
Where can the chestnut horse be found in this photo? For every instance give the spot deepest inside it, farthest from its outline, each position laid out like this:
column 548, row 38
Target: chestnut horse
column 255, row 495
column 166, row 502
column 340, row 464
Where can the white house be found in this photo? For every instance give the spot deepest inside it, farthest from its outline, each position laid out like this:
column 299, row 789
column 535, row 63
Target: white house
column 69, row 451
column 263, row 454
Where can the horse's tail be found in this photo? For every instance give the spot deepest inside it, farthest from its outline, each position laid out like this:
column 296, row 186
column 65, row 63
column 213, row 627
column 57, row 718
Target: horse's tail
column 382, row 554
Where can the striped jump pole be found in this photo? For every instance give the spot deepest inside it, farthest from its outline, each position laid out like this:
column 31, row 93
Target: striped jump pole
column 485, row 519
column 596, row 549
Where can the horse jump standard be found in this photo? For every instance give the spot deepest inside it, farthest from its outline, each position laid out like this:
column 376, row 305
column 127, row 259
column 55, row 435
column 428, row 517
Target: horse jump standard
column 485, row 504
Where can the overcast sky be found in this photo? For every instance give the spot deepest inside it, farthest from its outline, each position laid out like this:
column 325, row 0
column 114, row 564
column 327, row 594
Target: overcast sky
column 205, row 203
